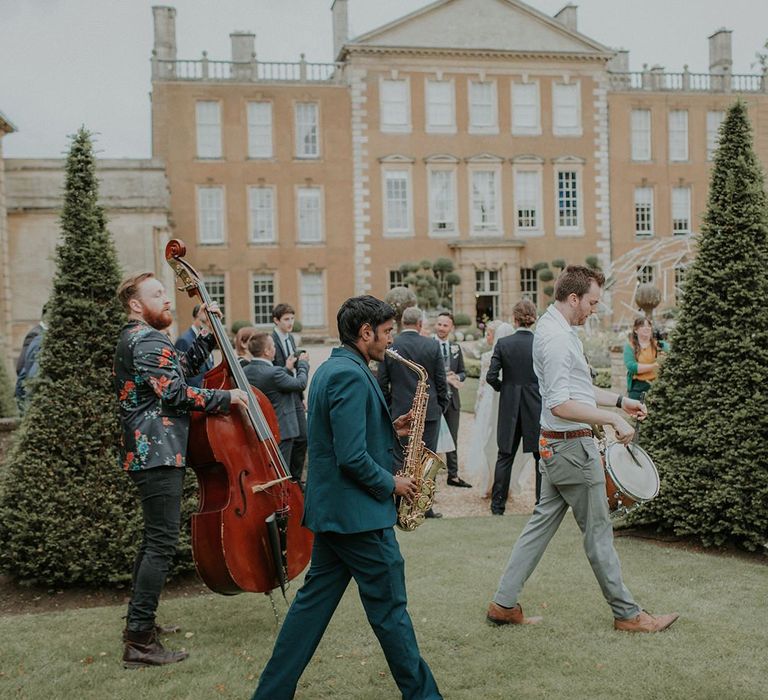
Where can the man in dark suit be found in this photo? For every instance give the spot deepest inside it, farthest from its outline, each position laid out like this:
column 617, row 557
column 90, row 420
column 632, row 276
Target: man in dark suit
column 279, row 385
column 283, row 316
column 349, row 506
column 187, row 339
column 398, row 383
column 519, row 403
column 154, row 404
column 453, row 360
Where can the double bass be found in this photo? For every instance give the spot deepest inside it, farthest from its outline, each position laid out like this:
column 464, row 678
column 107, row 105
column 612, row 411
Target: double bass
column 247, row 533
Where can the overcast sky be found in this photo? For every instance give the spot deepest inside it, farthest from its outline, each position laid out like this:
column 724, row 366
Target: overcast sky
column 71, row 62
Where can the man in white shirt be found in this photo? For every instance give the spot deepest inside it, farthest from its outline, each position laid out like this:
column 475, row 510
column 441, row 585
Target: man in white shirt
column 572, row 472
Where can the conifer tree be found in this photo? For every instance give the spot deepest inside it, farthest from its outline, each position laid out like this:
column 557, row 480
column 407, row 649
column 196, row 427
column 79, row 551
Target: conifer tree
column 68, row 515
column 707, row 410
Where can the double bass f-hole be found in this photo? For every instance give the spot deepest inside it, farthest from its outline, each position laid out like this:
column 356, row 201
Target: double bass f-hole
column 240, row 512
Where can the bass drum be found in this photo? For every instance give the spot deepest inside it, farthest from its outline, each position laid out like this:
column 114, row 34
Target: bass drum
column 630, row 477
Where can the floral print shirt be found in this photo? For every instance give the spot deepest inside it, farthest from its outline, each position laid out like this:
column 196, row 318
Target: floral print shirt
column 154, row 399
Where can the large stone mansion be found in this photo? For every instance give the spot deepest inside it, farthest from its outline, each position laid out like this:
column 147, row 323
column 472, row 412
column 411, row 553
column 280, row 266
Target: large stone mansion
column 483, row 131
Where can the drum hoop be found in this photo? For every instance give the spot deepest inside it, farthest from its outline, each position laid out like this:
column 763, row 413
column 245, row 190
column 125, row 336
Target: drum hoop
column 618, row 482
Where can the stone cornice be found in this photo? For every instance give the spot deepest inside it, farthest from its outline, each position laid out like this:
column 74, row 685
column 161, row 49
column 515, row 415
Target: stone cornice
column 352, row 50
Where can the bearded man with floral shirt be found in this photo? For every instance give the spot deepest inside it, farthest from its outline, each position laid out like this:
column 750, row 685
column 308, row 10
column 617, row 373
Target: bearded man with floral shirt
column 155, row 402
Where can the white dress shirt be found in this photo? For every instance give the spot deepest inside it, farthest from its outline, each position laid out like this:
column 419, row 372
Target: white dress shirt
column 562, row 369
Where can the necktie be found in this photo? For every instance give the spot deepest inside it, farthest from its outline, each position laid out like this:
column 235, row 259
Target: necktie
column 287, row 347
column 447, row 364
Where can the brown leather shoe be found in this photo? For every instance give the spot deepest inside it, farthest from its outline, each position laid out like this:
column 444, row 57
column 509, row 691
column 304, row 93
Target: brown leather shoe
column 497, row 615
column 144, row 649
column 645, row 622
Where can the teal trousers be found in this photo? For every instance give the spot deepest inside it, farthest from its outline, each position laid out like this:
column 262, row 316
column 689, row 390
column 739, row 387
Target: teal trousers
column 571, row 475
column 373, row 559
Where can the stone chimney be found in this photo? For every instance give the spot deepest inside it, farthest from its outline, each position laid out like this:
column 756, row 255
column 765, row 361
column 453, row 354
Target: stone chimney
column 243, row 50
column 720, row 60
column 619, row 62
column 243, row 46
column 340, row 13
column 165, row 32
column 568, row 16
column 164, row 50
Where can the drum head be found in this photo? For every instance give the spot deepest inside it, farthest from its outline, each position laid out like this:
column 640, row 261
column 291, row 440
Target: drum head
column 637, row 479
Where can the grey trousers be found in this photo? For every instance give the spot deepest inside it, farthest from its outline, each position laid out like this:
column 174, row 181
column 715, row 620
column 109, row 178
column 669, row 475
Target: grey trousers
column 572, row 475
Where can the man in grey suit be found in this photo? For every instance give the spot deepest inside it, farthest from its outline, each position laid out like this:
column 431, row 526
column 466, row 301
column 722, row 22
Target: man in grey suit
column 453, row 360
column 280, row 386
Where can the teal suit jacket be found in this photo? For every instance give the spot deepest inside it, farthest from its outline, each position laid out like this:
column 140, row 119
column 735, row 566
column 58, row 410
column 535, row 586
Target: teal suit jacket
column 349, row 475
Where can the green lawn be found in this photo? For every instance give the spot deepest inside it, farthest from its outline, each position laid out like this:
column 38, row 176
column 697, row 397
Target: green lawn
column 716, row 651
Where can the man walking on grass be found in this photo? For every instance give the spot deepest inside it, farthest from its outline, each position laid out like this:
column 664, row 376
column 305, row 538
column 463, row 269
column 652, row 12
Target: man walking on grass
column 572, row 473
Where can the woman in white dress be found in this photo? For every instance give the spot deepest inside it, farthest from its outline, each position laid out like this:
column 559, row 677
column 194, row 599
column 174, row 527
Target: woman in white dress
column 481, row 456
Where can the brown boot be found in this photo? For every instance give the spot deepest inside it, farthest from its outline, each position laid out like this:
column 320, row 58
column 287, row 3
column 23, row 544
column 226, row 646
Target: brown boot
column 144, row 649
column 645, row 622
column 497, row 615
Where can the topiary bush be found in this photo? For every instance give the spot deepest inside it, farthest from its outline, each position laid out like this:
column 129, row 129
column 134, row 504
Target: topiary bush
column 68, row 514
column 462, row 320
column 707, row 420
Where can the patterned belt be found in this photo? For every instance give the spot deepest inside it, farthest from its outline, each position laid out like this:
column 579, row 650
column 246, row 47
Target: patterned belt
column 567, row 435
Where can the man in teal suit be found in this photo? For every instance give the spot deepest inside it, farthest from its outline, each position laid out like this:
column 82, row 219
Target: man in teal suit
column 349, row 505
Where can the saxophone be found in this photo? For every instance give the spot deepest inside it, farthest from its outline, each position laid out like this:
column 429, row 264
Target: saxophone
column 420, row 463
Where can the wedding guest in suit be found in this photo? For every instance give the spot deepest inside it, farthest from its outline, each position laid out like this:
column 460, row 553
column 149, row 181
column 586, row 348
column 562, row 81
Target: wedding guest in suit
column 155, row 401
column 453, row 360
column 280, row 386
column 283, row 316
column 349, row 505
column 399, row 383
column 187, row 339
column 519, row 402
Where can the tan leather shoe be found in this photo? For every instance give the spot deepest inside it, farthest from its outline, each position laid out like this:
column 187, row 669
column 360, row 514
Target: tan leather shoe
column 645, row 622
column 498, row 615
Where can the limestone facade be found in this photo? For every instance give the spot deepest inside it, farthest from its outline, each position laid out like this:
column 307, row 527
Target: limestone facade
column 134, row 195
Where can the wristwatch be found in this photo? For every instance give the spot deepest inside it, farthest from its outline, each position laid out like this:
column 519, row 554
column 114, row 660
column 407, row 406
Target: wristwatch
column 619, row 401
